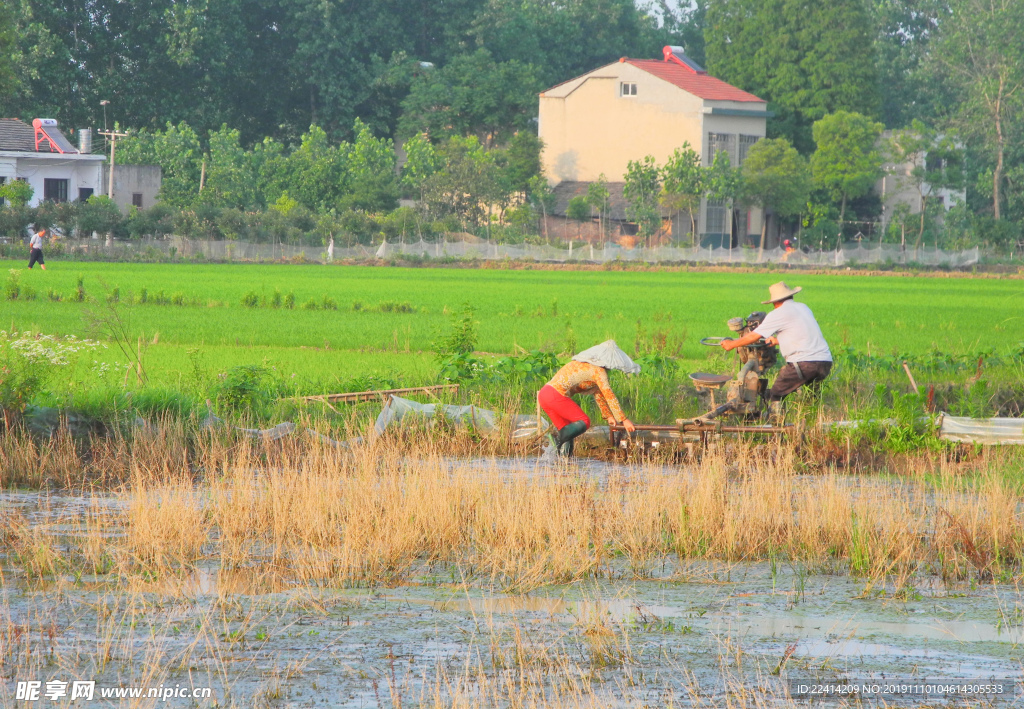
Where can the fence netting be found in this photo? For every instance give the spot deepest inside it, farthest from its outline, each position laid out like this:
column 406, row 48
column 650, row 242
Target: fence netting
column 600, row 253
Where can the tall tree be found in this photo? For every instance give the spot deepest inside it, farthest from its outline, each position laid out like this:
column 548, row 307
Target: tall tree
column 641, row 189
column 936, row 163
column 777, row 179
column 472, row 95
column 682, row 179
column 847, row 161
column 904, row 31
column 981, row 51
column 598, row 198
column 566, row 38
column 806, row 59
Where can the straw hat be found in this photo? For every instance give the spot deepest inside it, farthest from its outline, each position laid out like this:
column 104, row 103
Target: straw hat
column 780, row 291
column 609, row 356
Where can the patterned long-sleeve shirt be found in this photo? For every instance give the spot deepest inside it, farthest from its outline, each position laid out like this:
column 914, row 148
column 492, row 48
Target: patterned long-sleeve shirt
column 589, row 380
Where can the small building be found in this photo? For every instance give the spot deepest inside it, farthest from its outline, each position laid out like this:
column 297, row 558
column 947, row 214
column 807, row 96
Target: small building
column 597, row 123
column 134, row 185
column 897, row 186
column 41, row 155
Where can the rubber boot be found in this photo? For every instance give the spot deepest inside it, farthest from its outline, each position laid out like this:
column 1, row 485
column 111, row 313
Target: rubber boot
column 776, row 413
column 567, row 435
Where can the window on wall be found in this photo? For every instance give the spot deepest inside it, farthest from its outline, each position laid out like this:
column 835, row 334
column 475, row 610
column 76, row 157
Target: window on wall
column 745, row 142
column 715, row 217
column 84, row 193
column 55, row 190
column 137, row 199
column 721, row 142
column 627, row 89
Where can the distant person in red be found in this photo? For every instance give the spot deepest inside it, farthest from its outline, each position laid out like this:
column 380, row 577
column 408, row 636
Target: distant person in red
column 35, row 254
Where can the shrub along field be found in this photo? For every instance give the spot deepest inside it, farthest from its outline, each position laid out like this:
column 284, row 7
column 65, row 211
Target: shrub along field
column 319, row 329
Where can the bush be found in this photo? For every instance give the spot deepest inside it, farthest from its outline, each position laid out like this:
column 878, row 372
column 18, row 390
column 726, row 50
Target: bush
column 248, row 389
column 389, row 306
column 461, row 339
column 289, row 301
column 251, row 299
column 12, row 288
column 328, row 303
column 311, row 304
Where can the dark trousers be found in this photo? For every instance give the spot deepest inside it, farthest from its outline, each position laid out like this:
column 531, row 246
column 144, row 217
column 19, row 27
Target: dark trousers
column 35, row 256
column 792, row 377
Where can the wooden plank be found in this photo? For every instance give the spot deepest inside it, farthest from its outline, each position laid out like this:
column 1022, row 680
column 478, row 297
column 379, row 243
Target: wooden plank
column 371, row 395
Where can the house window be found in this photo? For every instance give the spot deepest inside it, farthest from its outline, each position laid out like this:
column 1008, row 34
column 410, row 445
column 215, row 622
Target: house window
column 55, row 190
column 745, row 142
column 721, row 142
column 627, row 89
column 137, row 199
column 715, row 217
column 84, row 193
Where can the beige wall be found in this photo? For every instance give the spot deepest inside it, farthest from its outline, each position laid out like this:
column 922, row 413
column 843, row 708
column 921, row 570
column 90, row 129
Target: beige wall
column 590, row 129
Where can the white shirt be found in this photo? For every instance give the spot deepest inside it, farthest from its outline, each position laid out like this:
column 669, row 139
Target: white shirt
column 36, row 242
column 800, row 338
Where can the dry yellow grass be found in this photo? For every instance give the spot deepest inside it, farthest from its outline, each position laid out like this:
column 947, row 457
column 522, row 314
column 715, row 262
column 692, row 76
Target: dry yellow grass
column 386, row 512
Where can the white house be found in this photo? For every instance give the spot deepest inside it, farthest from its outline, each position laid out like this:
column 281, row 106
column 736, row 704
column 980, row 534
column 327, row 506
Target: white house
column 42, row 156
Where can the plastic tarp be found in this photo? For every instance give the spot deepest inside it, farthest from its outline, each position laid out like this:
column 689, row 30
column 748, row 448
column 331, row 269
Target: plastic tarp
column 402, row 411
column 993, row 431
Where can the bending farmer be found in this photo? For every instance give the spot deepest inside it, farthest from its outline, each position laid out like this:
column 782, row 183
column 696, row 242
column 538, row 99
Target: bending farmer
column 791, row 325
column 586, row 374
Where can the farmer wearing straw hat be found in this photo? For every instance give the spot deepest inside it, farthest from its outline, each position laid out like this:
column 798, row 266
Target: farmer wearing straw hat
column 791, row 325
column 586, row 374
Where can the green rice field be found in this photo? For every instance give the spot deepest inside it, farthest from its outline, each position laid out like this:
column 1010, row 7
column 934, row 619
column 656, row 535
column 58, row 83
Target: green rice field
column 386, row 318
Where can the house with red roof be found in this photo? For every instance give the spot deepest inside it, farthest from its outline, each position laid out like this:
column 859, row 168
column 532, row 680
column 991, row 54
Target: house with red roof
column 595, row 124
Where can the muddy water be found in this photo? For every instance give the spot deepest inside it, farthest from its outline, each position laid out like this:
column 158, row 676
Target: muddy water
column 713, row 634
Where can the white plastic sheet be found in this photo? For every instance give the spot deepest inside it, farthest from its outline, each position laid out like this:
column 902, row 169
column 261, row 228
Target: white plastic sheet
column 399, row 410
column 993, row 431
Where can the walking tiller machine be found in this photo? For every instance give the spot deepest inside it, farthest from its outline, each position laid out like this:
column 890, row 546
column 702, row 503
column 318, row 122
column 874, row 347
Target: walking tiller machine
column 741, row 399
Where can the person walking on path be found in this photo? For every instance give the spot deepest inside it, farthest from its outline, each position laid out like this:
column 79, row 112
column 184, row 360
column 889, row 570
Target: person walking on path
column 791, row 325
column 35, row 254
column 586, row 374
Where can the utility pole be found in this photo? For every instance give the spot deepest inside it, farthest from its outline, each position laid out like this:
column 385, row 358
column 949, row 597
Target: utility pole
column 113, row 135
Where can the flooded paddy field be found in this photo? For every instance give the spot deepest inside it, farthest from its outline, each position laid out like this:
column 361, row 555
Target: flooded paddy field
column 404, row 582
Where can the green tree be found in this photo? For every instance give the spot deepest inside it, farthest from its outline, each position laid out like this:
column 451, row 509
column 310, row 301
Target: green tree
column 904, row 32
column 100, row 214
column 723, row 183
column 17, row 193
column 464, row 183
column 579, row 212
column 522, row 160
column 317, row 173
column 776, row 178
column 641, row 189
column 847, row 162
column 542, row 198
column 230, row 181
column 421, row 162
column 177, row 151
column 981, row 51
column 471, row 95
column 936, row 163
column 598, row 198
column 540, row 32
column 806, row 59
column 371, row 168
column 683, row 186
column 8, row 46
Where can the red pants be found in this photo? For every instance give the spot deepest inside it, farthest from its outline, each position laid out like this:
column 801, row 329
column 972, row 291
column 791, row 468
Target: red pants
column 561, row 410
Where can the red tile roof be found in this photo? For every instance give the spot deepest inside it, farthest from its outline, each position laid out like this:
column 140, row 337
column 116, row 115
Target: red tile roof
column 701, row 85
